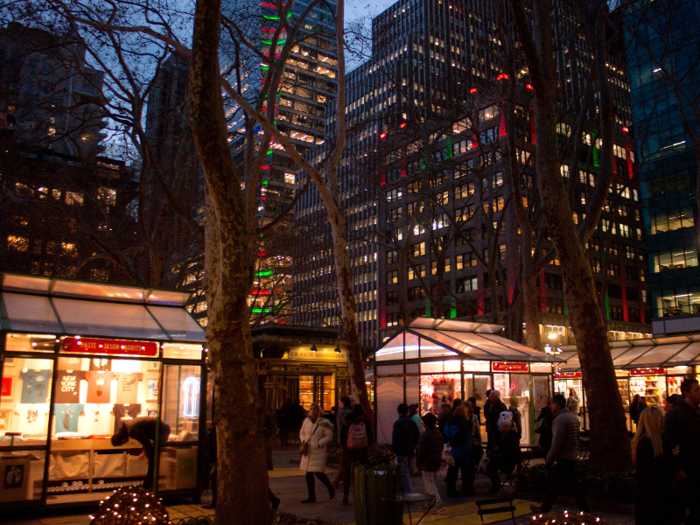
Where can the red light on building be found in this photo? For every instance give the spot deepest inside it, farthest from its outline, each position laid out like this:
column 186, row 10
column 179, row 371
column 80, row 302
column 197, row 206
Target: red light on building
column 403, row 125
column 529, row 86
column 260, row 292
column 262, row 254
column 502, row 76
column 382, row 135
column 625, row 129
column 472, row 90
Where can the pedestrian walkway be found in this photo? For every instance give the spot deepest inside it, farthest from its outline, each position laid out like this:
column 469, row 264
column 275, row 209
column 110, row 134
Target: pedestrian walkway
column 287, row 482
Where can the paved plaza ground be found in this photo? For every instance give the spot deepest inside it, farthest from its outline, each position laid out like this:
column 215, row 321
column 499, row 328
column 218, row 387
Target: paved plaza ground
column 287, row 482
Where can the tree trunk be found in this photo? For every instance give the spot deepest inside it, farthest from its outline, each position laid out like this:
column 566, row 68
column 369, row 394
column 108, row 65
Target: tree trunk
column 241, row 466
column 610, row 448
column 346, row 298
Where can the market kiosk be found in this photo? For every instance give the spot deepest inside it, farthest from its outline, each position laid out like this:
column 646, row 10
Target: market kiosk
column 433, row 361
column 78, row 360
column 652, row 368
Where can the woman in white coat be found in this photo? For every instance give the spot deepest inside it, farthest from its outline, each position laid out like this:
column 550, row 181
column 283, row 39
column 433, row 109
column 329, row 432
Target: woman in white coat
column 317, row 432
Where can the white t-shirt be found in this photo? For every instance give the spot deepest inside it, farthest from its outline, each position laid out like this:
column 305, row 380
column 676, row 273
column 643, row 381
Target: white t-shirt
column 98, row 420
column 32, row 419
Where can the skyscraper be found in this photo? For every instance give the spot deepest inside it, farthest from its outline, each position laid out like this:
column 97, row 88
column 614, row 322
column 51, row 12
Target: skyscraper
column 662, row 42
column 49, row 96
column 428, row 120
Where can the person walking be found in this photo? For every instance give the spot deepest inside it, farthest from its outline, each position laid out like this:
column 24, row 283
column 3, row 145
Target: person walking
column 356, row 437
column 505, row 456
column 458, row 432
column 565, row 434
column 317, row 432
column 144, row 430
column 429, row 459
column 492, row 413
column 404, row 438
column 477, row 449
column 339, row 417
column 653, row 480
column 682, row 448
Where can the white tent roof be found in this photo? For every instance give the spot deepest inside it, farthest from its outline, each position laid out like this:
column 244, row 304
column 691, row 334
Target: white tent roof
column 62, row 307
column 447, row 338
column 661, row 352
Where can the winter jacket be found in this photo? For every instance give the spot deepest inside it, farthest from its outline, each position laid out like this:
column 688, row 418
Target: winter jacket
column 476, row 430
column 507, row 453
column 653, row 485
column 573, row 404
column 492, row 415
column 566, row 429
column 682, row 429
column 404, row 437
column 418, row 421
column 318, row 434
column 458, row 431
column 429, row 450
column 340, row 416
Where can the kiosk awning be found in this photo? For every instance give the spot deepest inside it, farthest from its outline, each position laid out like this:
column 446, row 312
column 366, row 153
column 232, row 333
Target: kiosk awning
column 448, row 338
column 630, row 354
column 61, row 307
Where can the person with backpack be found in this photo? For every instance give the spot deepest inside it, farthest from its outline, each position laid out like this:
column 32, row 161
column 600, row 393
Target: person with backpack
column 429, row 458
column 493, row 417
column 356, row 436
column 517, row 418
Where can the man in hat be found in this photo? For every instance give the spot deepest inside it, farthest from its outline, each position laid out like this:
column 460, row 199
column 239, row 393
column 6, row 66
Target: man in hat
column 143, row 430
column 565, row 433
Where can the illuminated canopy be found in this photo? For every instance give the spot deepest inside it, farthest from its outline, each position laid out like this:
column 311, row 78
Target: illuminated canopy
column 630, row 354
column 426, row 338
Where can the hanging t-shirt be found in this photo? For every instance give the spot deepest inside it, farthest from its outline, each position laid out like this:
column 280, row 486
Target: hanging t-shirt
column 68, row 386
column 35, row 385
column 98, row 419
column 70, row 363
column 122, row 412
column 127, row 387
column 102, row 364
column 99, row 386
column 66, row 417
column 32, row 419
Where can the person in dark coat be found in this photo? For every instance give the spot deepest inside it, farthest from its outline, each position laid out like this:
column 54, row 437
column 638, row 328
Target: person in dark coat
column 354, row 452
column 429, row 458
column 653, row 480
column 492, row 413
column 143, row 430
column 634, row 410
column 545, row 428
column 404, row 438
column 477, row 408
column 682, row 448
column 458, row 432
column 505, row 456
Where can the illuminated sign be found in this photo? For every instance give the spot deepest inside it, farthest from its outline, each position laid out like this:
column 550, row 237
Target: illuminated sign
column 316, row 356
column 648, row 372
column 567, row 375
column 77, row 345
column 510, row 367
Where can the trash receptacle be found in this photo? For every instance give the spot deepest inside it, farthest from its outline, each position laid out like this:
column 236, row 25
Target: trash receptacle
column 371, row 484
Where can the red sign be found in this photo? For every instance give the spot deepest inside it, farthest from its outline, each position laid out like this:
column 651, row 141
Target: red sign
column 510, row 367
column 79, row 345
column 648, row 372
column 567, row 375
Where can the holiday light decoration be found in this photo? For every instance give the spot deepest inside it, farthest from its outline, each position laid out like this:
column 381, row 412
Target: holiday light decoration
column 567, row 518
column 131, row 506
